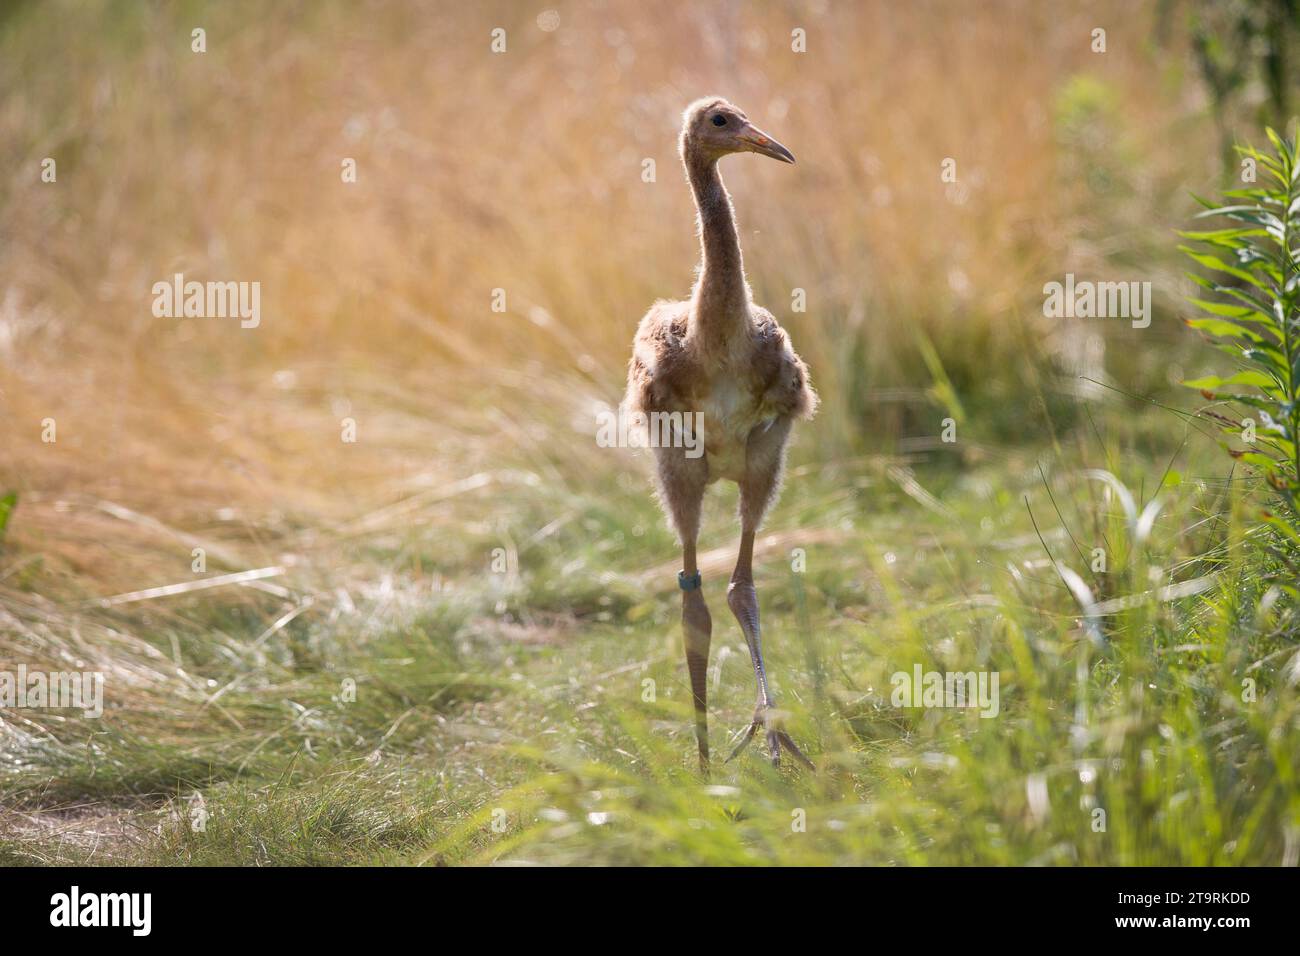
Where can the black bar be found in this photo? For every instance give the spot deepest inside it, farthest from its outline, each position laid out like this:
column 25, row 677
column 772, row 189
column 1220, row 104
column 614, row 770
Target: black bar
column 332, row 906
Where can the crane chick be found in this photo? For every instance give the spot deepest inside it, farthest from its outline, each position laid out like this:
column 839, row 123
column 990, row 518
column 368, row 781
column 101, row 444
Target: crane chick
column 720, row 355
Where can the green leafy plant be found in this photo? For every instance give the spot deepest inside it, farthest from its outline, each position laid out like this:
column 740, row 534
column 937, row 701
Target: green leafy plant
column 1253, row 314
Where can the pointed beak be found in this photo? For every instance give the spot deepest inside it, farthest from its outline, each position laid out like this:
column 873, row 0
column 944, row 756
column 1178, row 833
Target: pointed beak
column 756, row 141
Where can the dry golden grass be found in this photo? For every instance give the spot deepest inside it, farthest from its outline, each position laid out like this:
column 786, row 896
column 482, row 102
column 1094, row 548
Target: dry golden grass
column 519, row 171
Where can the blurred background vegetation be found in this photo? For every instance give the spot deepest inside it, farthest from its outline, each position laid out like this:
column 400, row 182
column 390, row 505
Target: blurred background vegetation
column 522, row 171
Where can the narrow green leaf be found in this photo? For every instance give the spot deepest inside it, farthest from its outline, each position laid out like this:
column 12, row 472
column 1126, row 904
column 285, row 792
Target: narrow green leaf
column 1244, row 377
column 1213, row 262
column 7, row 505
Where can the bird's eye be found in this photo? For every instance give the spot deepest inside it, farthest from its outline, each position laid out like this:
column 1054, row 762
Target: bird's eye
column 719, row 120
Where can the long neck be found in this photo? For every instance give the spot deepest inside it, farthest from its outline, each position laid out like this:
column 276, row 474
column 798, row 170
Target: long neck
column 721, row 297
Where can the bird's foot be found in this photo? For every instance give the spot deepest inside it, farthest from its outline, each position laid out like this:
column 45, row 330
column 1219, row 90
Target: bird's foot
column 765, row 719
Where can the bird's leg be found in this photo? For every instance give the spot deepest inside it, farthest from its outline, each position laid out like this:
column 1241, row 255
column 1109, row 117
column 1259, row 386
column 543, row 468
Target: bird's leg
column 764, row 458
column 743, row 601
column 697, row 630
column 681, row 485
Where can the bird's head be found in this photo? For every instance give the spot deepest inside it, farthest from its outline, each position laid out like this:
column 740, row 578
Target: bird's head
column 713, row 128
